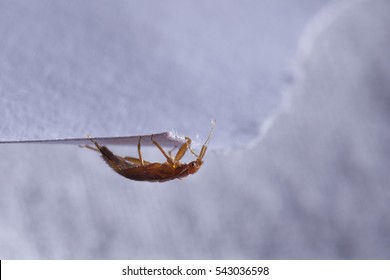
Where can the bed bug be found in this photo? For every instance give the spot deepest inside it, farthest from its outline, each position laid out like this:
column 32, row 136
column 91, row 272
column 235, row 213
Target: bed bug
column 139, row 169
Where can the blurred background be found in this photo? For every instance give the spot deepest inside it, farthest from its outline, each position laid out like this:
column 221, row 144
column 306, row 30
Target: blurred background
column 298, row 164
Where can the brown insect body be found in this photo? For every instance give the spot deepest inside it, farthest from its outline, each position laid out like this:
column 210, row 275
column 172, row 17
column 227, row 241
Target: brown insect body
column 139, row 170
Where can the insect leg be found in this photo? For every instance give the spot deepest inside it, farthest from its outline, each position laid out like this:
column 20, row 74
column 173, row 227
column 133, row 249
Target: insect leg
column 90, row 147
column 169, row 160
column 190, row 149
column 170, row 152
column 115, row 162
column 183, row 149
column 139, row 152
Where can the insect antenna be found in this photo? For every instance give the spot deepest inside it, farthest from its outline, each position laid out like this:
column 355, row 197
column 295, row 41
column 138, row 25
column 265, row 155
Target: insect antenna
column 204, row 147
